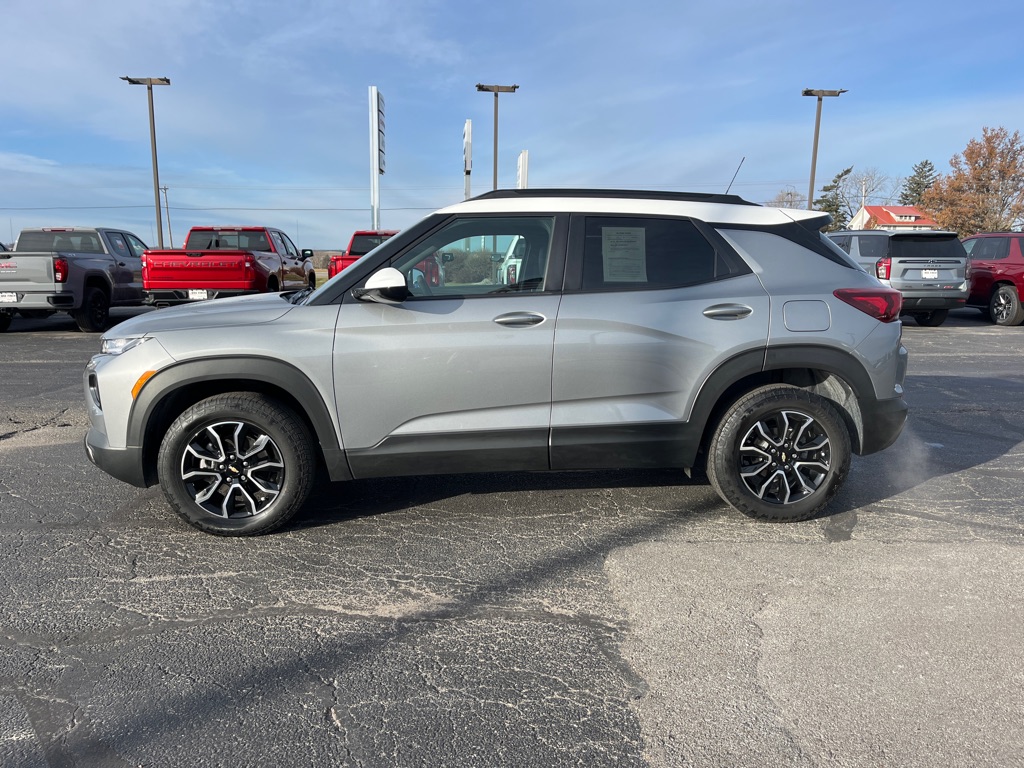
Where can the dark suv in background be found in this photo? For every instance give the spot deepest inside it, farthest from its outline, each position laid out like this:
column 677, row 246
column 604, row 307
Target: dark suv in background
column 928, row 267
column 997, row 275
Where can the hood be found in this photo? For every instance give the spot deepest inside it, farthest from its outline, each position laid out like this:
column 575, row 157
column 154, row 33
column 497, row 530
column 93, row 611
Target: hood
column 215, row 313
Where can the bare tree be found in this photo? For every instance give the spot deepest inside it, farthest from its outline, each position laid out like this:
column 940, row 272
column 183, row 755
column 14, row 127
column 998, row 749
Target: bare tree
column 788, row 197
column 868, row 187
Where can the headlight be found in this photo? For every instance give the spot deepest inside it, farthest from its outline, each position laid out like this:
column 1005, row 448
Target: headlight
column 120, row 345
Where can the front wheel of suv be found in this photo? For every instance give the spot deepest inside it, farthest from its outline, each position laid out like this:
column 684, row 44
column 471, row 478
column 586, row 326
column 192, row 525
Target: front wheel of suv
column 237, row 464
column 1004, row 308
column 779, row 453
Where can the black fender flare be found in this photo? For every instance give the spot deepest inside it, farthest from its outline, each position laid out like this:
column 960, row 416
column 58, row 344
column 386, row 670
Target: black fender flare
column 766, row 360
column 226, row 374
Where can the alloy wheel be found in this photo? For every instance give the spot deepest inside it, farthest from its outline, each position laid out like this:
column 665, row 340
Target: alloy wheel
column 784, row 457
column 232, row 469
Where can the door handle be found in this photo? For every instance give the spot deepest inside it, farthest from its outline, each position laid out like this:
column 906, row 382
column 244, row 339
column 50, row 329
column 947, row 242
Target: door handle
column 727, row 311
column 520, row 319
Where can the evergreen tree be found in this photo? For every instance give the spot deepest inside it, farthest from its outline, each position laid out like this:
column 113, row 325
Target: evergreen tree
column 918, row 183
column 833, row 202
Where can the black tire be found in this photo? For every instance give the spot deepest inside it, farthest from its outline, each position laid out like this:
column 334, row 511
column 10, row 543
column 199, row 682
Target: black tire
column 932, row 319
column 94, row 314
column 5, row 321
column 1004, row 307
column 760, row 435
column 222, row 491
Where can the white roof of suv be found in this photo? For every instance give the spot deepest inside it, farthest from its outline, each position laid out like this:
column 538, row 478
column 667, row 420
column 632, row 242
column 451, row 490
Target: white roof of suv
column 724, row 209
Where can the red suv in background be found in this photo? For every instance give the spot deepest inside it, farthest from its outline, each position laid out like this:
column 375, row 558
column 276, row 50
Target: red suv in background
column 997, row 275
column 363, row 241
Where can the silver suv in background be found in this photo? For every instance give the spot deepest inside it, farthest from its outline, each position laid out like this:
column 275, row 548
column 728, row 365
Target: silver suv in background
column 928, row 267
column 640, row 329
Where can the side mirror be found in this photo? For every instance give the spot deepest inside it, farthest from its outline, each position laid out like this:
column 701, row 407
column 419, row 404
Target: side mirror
column 307, row 253
column 385, row 286
column 497, row 258
column 447, row 258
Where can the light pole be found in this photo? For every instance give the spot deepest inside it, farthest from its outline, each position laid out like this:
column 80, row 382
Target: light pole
column 149, row 82
column 167, row 210
column 496, row 89
column 817, row 124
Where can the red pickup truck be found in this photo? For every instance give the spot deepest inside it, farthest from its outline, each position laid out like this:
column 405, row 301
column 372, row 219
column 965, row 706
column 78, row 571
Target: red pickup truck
column 363, row 241
column 226, row 261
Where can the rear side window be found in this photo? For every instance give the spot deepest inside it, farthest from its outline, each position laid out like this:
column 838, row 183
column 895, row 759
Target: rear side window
column 629, row 253
column 988, row 248
column 116, row 240
column 872, row 247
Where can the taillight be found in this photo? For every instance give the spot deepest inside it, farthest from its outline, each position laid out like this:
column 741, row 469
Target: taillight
column 881, row 303
column 250, row 266
column 60, row 269
column 882, row 268
column 145, row 268
column 510, row 275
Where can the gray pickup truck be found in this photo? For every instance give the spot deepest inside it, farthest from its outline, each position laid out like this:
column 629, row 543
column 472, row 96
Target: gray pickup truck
column 83, row 271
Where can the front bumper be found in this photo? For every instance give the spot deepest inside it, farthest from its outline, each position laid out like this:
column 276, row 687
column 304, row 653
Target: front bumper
column 125, row 464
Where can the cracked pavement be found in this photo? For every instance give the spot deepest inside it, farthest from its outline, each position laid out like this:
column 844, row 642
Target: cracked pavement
column 584, row 619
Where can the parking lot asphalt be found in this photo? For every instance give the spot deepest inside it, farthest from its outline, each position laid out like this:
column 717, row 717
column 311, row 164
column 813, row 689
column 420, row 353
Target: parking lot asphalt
column 545, row 619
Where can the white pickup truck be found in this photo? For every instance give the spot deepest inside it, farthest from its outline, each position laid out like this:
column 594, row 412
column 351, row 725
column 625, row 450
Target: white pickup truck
column 81, row 271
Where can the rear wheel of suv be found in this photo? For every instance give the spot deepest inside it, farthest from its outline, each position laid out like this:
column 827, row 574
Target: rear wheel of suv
column 932, row 319
column 1004, row 307
column 779, row 453
column 237, row 464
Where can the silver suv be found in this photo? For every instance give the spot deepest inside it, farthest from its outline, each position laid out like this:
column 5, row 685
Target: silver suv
column 928, row 267
column 642, row 329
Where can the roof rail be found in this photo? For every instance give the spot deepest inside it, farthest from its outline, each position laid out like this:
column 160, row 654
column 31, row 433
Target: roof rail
column 637, row 194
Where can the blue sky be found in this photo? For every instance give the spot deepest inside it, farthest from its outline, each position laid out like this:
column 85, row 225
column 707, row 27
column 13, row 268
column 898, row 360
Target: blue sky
column 266, row 117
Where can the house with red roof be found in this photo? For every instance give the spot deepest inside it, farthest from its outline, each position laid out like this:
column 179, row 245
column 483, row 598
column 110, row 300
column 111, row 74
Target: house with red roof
column 892, row 217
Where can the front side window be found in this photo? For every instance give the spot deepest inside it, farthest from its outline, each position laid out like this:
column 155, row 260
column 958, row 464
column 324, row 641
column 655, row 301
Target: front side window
column 289, row 246
column 138, row 247
column 627, row 253
column 480, row 255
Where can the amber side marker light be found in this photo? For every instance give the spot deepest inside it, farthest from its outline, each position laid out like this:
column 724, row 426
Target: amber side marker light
column 141, row 383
